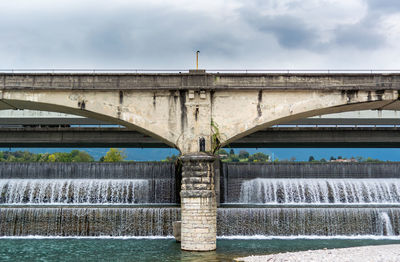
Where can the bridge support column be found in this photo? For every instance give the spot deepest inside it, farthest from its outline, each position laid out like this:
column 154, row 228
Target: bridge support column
column 198, row 203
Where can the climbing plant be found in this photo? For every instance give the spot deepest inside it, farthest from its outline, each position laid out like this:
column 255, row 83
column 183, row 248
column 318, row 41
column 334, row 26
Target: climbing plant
column 215, row 137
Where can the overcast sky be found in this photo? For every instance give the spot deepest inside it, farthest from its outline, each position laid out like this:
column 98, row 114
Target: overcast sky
column 334, row 34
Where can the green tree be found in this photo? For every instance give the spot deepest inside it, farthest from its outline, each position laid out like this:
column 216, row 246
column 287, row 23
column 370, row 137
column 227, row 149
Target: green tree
column 62, row 157
column 44, row 157
column 114, row 155
column 311, row 158
column 172, row 158
column 234, row 158
column 52, row 158
column 243, row 154
column 221, row 151
column 231, row 152
column 360, row 159
column 258, row 157
column 28, row 156
column 11, row 158
column 80, row 156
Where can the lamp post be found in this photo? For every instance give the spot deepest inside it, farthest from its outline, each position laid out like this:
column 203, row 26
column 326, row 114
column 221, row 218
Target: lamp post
column 197, row 59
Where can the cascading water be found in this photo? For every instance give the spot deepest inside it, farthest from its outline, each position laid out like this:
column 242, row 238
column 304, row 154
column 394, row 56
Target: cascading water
column 295, row 199
column 320, row 191
column 308, row 221
column 74, row 191
column 62, row 199
column 67, row 221
column 386, row 223
column 87, row 183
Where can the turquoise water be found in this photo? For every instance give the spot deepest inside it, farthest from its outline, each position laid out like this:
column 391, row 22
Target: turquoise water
column 158, row 249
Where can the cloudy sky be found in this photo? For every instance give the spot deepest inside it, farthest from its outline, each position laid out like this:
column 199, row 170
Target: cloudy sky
column 231, row 34
column 294, row 34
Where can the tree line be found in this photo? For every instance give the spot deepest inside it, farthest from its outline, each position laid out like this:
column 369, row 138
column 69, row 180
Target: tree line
column 113, row 155
column 242, row 156
column 118, row 155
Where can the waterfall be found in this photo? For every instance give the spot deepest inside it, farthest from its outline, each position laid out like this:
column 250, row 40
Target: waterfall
column 308, row 199
column 320, row 191
column 74, row 191
column 149, row 221
column 63, row 199
column 87, row 183
column 56, row 221
column 387, row 228
column 308, row 221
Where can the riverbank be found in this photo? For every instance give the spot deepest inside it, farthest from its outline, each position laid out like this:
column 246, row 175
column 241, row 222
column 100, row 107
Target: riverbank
column 387, row 253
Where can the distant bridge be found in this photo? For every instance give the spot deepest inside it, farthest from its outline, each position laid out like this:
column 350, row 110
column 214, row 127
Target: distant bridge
column 297, row 137
column 368, row 129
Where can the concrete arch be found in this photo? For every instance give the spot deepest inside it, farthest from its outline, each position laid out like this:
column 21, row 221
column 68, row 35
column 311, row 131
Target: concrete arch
column 111, row 106
column 257, row 110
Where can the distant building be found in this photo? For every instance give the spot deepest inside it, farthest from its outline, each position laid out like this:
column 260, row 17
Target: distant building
column 351, row 160
column 223, row 156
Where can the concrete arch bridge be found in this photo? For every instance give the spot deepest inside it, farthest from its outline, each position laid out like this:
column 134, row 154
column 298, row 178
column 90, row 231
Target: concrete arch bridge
column 198, row 112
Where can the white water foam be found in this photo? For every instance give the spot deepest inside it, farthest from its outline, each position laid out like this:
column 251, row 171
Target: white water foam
column 261, row 237
column 387, row 228
column 74, row 191
column 255, row 237
column 85, row 237
column 320, row 191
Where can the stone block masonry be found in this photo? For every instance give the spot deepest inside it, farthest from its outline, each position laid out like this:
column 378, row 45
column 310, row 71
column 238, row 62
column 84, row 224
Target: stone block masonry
column 198, row 203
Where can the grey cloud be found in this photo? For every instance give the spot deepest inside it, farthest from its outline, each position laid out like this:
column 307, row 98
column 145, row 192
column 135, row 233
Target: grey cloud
column 383, row 5
column 293, row 33
column 109, row 42
column 359, row 36
column 290, row 32
column 137, row 37
column 159, row 36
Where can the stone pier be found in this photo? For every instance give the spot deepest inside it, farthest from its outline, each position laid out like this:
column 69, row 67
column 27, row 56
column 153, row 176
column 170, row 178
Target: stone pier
column 198, row 203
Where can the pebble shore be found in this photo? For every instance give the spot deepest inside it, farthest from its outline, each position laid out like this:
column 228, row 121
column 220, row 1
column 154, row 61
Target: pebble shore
column 385, row 253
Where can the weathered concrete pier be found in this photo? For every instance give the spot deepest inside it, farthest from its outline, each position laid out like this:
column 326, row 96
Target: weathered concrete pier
column 182, row 110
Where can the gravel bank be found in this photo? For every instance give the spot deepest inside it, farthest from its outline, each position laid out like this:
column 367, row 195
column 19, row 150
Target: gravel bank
column 386, row 253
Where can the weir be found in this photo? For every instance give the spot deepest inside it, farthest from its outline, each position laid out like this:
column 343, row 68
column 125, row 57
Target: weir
column 320, row 191
column 88, row 183
column 124, row 200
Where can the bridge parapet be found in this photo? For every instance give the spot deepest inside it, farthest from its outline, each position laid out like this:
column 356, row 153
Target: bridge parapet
column 197, row 81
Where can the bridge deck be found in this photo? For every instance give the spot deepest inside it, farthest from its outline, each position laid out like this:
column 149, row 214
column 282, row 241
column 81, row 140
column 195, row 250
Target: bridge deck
column 200, row 80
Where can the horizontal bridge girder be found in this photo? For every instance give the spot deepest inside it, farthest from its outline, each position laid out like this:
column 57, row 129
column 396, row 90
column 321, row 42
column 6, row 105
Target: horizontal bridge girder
column 76, row 137
column 345, row 121
column 271, row 137
column 200, row 80
column 379, row 137
column 36, row 121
